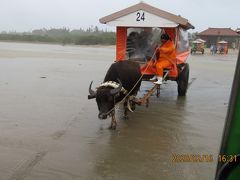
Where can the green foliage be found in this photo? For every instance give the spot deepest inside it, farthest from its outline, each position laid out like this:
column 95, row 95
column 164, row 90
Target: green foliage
column 91, row 36
column 96, row 38
column 30, row 38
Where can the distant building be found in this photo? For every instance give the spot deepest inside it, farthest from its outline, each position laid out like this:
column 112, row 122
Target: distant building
column 214, row 35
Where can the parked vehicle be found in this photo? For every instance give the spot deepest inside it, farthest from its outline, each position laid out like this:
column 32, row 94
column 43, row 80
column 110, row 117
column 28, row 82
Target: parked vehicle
column 222, row 47
column 197, row 46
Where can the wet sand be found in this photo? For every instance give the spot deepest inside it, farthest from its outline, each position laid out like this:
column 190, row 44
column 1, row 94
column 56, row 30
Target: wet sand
column 49, row 130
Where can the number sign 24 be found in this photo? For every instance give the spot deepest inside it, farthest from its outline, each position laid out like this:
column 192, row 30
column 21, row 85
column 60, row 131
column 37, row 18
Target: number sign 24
column 140, row 16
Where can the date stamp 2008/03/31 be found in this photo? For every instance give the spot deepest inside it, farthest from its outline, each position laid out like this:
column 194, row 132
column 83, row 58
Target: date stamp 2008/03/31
column 176, row 158
column 196, row 158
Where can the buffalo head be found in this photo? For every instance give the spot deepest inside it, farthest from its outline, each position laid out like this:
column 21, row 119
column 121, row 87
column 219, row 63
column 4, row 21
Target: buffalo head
column 105, row 97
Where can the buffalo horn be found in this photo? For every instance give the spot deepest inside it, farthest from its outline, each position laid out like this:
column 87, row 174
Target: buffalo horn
column 129, row 106
column 116, row 90
column 91, row 92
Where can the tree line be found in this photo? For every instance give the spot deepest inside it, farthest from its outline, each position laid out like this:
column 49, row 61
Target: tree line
column 89, row 36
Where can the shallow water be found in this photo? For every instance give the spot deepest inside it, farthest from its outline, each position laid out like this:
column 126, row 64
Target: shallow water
column 49, row 130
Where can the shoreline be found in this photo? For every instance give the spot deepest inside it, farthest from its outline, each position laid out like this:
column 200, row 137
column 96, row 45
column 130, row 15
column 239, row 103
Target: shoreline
column 53, row 43
column 60, row 44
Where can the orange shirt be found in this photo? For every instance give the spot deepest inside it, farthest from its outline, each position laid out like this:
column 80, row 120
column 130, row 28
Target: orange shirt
column 167, row 52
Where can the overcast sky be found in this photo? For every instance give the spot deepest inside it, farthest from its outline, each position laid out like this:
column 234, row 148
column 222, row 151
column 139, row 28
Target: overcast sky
column 27, row 15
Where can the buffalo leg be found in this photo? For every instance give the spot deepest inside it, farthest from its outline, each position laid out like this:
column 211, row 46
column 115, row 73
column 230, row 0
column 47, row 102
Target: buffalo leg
column 125, row 109
column 113, row 122
column 147, row 102
column 158, row 91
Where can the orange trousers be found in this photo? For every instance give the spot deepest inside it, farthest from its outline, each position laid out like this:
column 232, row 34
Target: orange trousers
column 160, row 65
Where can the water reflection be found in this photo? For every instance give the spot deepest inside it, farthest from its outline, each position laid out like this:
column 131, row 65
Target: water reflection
column 142, row 147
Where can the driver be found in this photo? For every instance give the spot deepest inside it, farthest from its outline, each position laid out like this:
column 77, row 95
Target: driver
column 167, row 55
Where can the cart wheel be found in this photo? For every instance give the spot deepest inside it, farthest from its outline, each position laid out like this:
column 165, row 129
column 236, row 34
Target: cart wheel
column 183, row 80
column 158, row 91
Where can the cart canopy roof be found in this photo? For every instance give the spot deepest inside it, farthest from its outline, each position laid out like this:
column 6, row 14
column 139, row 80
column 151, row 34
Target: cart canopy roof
column 197, row 42
column 200, row 40
column 222, row 42
column 144, row 15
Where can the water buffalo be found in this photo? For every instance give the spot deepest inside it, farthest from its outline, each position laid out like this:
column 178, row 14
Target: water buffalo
column 122, row 82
